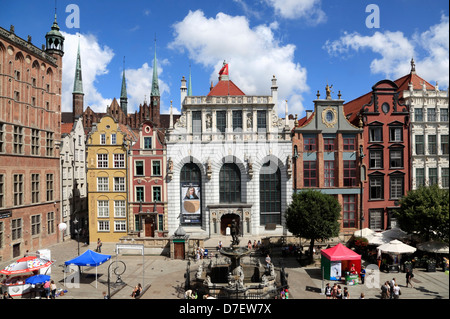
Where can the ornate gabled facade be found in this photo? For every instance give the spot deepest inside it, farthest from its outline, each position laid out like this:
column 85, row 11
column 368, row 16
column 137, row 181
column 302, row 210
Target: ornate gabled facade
column 229, row 157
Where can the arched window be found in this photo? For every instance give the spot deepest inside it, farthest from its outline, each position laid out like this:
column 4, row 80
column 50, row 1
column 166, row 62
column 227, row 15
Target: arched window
column 230, row 183
column 270, row 194
column 190, row 186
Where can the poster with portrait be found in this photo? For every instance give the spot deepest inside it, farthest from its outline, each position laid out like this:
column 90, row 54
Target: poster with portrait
column 190, row 203
column 335, row 270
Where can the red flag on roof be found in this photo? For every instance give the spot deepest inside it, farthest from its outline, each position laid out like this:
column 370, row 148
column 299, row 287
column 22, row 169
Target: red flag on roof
column 224, row 70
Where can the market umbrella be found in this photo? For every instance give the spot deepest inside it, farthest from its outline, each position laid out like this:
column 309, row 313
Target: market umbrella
column 395, row 233
column 377, row 239
column 37, row 279
column 363, row 232
column 396, row 247
column 26, row 264
column 434, row 247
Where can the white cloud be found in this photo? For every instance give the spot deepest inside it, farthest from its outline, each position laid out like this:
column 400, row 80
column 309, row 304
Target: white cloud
column 396, row 51
column 139, row 86
column 94, row 62
column 310, row 10
column 253, row 54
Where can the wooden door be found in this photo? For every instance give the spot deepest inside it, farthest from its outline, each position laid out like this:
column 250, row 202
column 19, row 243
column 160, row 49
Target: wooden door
column 149, row 227
column 178, row 251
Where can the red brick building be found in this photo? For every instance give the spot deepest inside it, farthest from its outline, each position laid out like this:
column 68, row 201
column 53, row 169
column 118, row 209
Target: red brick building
column 30, row 116
column 386, row 136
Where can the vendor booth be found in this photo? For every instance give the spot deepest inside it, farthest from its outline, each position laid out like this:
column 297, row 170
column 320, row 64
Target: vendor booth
column 341, row 263
column 88, row 258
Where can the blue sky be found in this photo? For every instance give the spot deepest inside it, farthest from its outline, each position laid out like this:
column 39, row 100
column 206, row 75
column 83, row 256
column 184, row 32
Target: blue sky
column 304, row 43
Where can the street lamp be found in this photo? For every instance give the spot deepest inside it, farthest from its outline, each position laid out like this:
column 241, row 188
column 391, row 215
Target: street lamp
column 77, row 231
column 361, row 179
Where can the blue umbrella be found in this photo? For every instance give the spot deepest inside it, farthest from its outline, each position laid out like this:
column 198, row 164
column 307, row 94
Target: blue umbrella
column 37, row 279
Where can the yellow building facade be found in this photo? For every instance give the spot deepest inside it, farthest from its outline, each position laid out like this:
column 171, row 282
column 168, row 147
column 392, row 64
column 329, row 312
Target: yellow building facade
column 107, row 162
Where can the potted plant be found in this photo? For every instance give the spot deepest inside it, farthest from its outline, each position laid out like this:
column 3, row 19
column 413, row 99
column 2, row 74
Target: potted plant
column 407, row 266
column 431, row 265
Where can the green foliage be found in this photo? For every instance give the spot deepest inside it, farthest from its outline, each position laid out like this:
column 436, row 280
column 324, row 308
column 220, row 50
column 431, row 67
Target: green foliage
column 313, row 215
column 425, row 212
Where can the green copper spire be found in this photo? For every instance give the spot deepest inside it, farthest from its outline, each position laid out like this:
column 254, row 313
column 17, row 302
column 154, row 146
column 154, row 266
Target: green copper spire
column 78, row 81
column 189, row 93
column 155, row 86
column 123, row 91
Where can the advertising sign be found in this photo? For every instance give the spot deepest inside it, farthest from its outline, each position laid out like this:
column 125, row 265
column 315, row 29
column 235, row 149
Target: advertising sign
column 191, row 203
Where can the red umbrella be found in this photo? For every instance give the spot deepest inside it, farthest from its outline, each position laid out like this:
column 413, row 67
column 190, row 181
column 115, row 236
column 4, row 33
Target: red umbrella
column 26, row 264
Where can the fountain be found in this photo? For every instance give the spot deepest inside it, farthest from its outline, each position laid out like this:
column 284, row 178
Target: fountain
column 229, row 278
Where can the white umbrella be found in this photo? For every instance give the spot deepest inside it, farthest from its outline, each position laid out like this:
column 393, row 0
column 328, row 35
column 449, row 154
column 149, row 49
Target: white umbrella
column 396, row 247
column 434, row 247
column 395, row 233
column 363, row 232
column 377, row 239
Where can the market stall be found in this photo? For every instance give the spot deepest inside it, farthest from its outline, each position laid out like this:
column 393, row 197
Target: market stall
column 88, row 258
column 341, row 263
column 395, row 249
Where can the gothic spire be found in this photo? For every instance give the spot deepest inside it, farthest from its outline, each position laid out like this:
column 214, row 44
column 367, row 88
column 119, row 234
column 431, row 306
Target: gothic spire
column 155, row 86
column 78, row 81
column 123, row 91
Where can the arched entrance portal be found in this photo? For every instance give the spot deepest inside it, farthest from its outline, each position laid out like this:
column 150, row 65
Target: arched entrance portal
column 226, row 220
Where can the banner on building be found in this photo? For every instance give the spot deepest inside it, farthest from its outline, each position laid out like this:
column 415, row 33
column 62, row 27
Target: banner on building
column 190, row 203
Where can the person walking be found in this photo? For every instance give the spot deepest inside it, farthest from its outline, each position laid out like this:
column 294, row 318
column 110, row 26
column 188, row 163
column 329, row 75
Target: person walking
column 328, row 291
column 47, row 289
column 391, row 288
column 409, row 276
column 99, row 246
column 346, row 294
column 385, row 290
column 53, row 289
column 396, row 291
column 363, row 275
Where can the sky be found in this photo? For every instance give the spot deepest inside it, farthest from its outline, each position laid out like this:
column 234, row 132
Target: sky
column 306, row 44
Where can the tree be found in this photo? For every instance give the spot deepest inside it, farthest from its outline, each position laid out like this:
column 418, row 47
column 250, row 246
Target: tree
column 425, row 212
column 313, row 215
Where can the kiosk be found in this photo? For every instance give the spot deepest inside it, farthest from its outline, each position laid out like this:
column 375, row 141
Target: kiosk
column 337, row 261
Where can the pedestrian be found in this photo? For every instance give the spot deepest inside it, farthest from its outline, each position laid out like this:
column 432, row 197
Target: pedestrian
column 391, row 288
column 286, row 294
column 268, row 260
column 397, row 292
column 105, row 295
column 362, row 296
column 328, row 291
column 6, row 295
column 137, row 291
column 334, row 291
column 99, row 246
column 346, row 294
column 363, row 274
column 339, row 292
column 219, row 246
column 254, row 244
column 53, row 289
column 47, row 289
column 249, row 245
column 385, row 290
column 409, row 276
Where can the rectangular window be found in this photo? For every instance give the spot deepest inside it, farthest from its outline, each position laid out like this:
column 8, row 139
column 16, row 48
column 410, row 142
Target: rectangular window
column 444, row 115
column 309, row 174
column 49, row 144
column 119, row 160
column 160, row 222
column 432, row 148
column 35, row 225
column 102, row 184
column 18, row 140
column 113, row 139
column 375, row 134
column 49, row 187
column 2, row 137
column 376, row 219
column 120, row 225
column 396, row 187
column 103, row 225
column 156, row 193
column 395, row 134
column 156, row 168
column 221, row 121
column 431, row 115
column 102, row 160
column 328, row 144
column 140, row 194
column 329, row 173
column 396, row 158
column 119, row 209
column 420, row 148
column 35, row 188
column 34, row 142
column 349, row 211
column 432, row 176
column 50, row 223
column 102, row 208
column 376, row 187
column 418, row 115
column 349, row 143
column 444, row 144
column 119, row 184
column 444, row 171
column 103, row 139
column 139, row 168
column 309, row 144
column 2, row 191
column 376, row 159
column 237, row 121
column 197, row 122
column 147, row 142
column 420, row 177
column 16, row 228
column 261, row 120
column 349, row 173
column 18, row 189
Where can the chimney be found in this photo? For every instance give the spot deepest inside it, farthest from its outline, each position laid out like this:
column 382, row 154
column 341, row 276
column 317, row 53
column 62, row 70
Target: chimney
column 308, row 113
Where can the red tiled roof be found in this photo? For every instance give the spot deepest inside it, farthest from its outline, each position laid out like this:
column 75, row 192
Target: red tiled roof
column 66, row 128
column 224, row 87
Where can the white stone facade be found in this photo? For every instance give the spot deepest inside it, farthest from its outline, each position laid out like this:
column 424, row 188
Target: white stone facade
column 429, row 159
column 248, row 148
